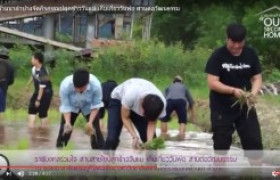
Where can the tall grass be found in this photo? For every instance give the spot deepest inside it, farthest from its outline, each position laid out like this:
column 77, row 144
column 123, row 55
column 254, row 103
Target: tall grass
column 154, row 61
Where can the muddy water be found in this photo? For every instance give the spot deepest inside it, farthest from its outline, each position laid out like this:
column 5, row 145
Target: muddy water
column 13, row 133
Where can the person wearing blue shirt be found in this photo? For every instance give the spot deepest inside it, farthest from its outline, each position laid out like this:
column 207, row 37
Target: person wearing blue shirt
column 80, row 93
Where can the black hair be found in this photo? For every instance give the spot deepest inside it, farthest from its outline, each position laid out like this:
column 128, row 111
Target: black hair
column 39, row 56
column 80, row 77
column 111, row 80
column 153, row 106
column 177, row 80
column 236, row 32
column 4, row 57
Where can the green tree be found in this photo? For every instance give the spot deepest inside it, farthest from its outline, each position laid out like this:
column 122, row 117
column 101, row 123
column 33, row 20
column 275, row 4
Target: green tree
column 213, row 22
column 267, row 48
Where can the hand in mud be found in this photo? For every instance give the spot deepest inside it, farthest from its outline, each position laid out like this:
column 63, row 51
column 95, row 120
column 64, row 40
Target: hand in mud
column 67, row 128
column 89, row 129
column 136, row 143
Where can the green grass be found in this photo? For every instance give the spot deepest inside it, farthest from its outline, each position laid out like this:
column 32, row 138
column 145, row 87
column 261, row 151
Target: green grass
column 273, row 99
column 21, row 144
column 21, row 115
column 200, row 93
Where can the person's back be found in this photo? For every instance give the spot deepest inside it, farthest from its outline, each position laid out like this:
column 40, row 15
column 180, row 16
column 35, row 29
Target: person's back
column 132, row 92
column 6, row 78
column 178, row 99
column 179, row 91
column 6, row 75
column 176, row 91
column 107, row 88
column 3, row 73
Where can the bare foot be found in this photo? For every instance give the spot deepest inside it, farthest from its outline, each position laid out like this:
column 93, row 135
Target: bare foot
column 165, row 136
column 180, row 137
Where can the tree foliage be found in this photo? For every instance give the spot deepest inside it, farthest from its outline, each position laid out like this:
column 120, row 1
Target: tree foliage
column 202, row 24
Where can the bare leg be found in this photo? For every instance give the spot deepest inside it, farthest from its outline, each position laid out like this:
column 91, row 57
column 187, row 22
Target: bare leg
column 164, row 129
column 101, row 123
column 31, row 120
column 182, row 129
column 44, row 122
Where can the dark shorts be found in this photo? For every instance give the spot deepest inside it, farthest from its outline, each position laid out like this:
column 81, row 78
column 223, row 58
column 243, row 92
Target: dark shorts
column 44, row 104
column 248, row 129
column 179, row 106
column 2, row 101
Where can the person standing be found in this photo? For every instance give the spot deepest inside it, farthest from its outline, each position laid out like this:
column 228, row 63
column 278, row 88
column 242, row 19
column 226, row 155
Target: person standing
column 6, row 78
column 231, row 70
column 43, row 92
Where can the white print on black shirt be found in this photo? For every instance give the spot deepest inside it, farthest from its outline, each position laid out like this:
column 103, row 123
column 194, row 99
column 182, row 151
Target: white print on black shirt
column 228, row 67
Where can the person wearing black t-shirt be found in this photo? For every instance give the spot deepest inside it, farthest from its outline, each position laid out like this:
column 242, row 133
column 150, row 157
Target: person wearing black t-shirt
column 6, row 78
column 42, row 95
column 232, row 70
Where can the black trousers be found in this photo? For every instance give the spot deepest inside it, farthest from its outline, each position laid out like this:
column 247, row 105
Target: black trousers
column 97, row 141
column 248, row 129
column 115, row 125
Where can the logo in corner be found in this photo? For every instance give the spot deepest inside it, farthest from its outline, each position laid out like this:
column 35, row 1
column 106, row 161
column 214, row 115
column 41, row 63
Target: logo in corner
column 271, row 21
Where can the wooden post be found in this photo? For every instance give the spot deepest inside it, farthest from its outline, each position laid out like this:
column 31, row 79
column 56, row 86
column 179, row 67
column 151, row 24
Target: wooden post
column 96, row 25
column 49, row 30
column 91, row 28
column 118, row 25
column 74, row 27
column 59, row 23
column 131, row 26
column 146, row 27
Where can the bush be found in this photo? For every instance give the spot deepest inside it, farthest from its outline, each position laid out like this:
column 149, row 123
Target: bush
column 64, row 65
column 152, row 60
column 20, row 56
column 271, row 75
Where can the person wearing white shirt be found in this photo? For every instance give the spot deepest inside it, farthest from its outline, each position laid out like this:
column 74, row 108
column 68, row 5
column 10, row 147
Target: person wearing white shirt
column 138, row 102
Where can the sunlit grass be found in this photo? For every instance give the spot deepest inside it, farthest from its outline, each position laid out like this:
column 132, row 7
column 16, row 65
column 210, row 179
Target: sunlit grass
column 21, row 144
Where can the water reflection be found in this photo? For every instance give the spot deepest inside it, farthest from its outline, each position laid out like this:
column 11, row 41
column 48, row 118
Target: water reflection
column 2, row 133
column 39, row 137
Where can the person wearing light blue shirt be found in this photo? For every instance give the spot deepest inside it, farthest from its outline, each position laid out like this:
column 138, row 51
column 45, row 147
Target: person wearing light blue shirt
column 80, row 93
